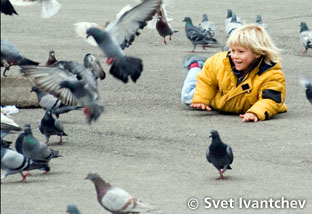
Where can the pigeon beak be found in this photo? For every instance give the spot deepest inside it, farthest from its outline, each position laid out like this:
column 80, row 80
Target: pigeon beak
column 210, row 136
column 87, row 36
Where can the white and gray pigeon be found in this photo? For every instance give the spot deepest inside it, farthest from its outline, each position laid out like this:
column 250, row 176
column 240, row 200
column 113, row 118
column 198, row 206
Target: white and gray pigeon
column 72, row 209
column 32, row 148
column 48, row 101
column 74, row 84
column 49, row 7
column 117, row 200
column 10, row 56
column 219, row 154
column 228, row 18
column 7, row 8
column 305, row 36
column 119, row 35
column 260, row 22
column 232, row 25
column 308, row 87
column 51, row 126
column 196, row 35
column 13, row 162
column 208, row 26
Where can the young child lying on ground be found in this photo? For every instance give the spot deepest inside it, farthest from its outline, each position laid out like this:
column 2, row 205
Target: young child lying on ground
column 247, row 80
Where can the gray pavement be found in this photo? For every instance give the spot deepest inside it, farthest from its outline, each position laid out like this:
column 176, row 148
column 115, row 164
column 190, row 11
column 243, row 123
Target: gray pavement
column 147, row 141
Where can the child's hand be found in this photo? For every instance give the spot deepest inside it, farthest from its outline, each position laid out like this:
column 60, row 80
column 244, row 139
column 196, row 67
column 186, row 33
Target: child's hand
column 249, row 117
column 200, row 106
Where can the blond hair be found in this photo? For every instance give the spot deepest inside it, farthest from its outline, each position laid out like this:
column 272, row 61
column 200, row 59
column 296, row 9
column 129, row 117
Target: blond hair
column 255, row 38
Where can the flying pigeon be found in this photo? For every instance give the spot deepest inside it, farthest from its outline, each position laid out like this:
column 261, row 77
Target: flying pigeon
column 49, row 7
column 308, row 86
column 119, row 35
column 7, row 8
column 230, row 27
column 196, row 35
column 163, row 25
column 219, row 154
column 74, row 84
column 39, row 152
column 260, row 22
column 51, row 60
column 208, row 26
column 48, row 101
column 10, row 56
column 115, row 199
column 50, row 126
column 8, row 125
column 305, row 36
column 13, row 162
column 72, row 209
column 229, row 17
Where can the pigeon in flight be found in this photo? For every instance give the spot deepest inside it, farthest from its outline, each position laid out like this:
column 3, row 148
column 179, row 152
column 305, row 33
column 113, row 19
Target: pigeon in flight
column 305, row 36
column 74, row 84
column 196, row 35
column 13, row 162
column 308, row 86
column 10, row 56
column 163, row 25
column 49, row 7
column 219, row 154
column 208, row 26
column 119, row 35
column 115, row 199
column 260, row 22
column 39, row 152
column 72, row 209
column 50, row 126
column 7, row 8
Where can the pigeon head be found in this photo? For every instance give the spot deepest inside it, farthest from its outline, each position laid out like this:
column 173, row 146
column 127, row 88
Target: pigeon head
column 27, row 129
column 72, row 209
column 229, row 13
column 49, row 112
column 90, row 61
column 259, row 19
column 97, row 34
column 214, row 134
column 93, row 176
column 234, row 18
column 205, row 17
column 34, row 89
column 51, row 54
column 187, row 20
column 303, row 27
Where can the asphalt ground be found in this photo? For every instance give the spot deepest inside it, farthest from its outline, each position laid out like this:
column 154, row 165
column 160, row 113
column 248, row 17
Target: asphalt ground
column 147, row 141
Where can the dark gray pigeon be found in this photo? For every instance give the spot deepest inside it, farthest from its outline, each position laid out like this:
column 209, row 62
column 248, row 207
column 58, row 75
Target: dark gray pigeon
column 208, row 26
column 308, row 86
column 74, row 84
column 10, row 56
column 13, row 162
column 305, row 36
column 39, row 152
column 117, row 200
column 7, row 8
column 119, row 35
column 72, row 209
column 219, row 154
column 196, row 35
column 50, row 126
column 48, row 101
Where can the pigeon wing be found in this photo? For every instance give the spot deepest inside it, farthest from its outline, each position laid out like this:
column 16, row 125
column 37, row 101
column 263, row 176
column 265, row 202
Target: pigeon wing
column 115, row 199
column 229, row 153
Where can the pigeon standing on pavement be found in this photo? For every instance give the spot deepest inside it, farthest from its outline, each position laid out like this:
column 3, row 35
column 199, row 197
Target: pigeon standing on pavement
column 119, row 35
column 260, row 22
column 208, row 26
column 115, row 199
column 49, row 7
column 219, row 154
column 50, row 126
column 72, row 209
column 10, row 56
column 196, row 35
column 308, row 86
column 163, row 25
column 229, row 17
column 13, row 162
column 305, row 36
column 39, row 152
column 232, row 25
column 7, row 8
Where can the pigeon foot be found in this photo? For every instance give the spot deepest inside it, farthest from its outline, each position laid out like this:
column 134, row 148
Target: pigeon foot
column 110, row 61
column 24, row 176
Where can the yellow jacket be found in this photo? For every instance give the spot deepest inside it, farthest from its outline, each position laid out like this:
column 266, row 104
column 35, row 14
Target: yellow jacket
column 262, row 91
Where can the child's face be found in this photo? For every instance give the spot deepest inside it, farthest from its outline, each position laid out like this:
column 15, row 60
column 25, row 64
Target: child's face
column 243, row 58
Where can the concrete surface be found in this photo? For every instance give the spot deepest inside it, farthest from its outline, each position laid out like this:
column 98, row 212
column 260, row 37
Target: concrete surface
column 150, row 144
